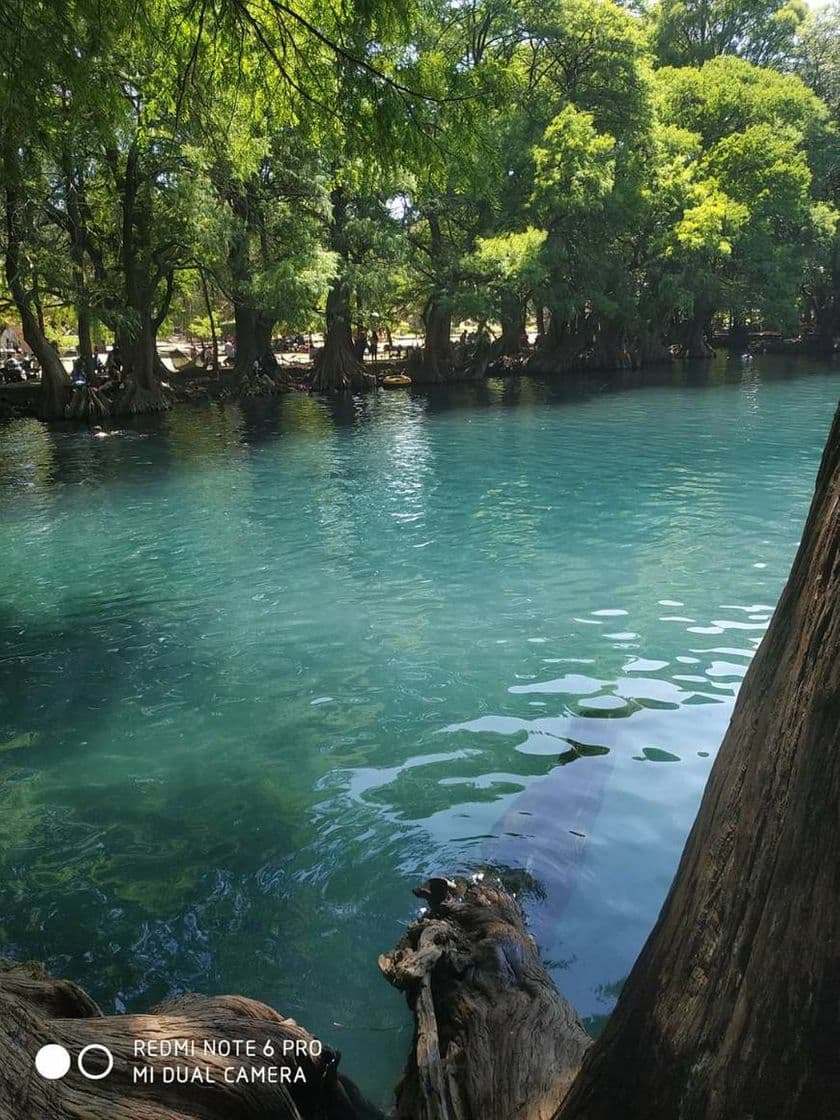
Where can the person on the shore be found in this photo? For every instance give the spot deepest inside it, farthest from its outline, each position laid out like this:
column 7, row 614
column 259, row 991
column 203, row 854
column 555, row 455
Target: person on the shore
column 373, row 344
column 230, row 350
column 360, row 344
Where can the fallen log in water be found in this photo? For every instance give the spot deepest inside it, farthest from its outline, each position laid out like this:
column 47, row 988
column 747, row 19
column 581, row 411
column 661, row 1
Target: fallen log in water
column 36, row 1011
column 493, row 1040
column 493, row 1037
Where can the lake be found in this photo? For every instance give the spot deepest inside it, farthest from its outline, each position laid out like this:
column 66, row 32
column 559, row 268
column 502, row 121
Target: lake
column 265, row 667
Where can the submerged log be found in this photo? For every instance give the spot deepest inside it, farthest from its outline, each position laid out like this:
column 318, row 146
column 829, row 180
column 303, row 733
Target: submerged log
column 36, row 1010
column 494, row 1039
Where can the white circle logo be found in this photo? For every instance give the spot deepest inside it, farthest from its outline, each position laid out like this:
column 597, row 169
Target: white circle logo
column 52, row 1062
column 87, row 1050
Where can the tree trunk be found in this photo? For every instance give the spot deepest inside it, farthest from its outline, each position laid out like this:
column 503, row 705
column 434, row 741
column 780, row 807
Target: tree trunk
column 142, row 371
column 562, row 347
column 609, row 348
column 142, row 367
column 513, row 326
column 85, row 341
column 55, row 382
column 436, row 364
column 335, row 366
column 732, row 1009
column 494, row 1039
column 695, row 335
column 253, row 337
column 208, row 303
column 738, row 334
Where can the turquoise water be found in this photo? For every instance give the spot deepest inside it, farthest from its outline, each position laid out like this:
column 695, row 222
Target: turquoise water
column 263, row 668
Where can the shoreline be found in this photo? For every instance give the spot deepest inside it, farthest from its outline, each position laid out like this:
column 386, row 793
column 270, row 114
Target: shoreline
column 21, row 400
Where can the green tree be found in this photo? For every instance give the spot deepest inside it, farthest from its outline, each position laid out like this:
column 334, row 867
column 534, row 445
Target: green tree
column 690, row 32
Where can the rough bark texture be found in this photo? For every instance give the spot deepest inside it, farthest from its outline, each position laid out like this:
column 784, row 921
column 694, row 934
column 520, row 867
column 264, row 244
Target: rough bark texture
column 513, row 326
column 731, row 1011
column 36, row 1010
column 694, row 341
column 142, row 367
column 55, row 382
column 143, row 371
column 335, row 367
column 434, row 365
column 494, row 1039
column 253, row 337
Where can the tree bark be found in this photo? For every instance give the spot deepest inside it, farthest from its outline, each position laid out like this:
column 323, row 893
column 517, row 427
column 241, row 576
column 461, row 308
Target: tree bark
column 695, row 335
column 335, row 367
column 36, row 1010
column 142, row 367
column 253, row 337
column 55, row 382
column 436, row 359
column 513, row 326
column 731, row 1011
column 494, row 1039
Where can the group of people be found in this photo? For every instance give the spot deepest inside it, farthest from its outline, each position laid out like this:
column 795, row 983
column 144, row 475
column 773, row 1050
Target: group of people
column 96, row 372
column 364, row 342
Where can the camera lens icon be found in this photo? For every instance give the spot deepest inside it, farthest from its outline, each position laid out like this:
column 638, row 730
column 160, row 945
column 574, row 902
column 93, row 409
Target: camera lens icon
column 53, row 1062
column 95, row 1047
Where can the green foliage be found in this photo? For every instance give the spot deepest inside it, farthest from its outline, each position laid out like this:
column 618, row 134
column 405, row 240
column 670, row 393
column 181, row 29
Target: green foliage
column 690, row 32
column 468, row 155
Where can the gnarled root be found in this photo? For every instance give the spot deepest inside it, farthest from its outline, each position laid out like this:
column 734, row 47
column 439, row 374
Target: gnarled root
column 138, row 400
column 493, row 1036
column 86, row 403
column 257, row 384
column 36, row 1010
column 335, row 369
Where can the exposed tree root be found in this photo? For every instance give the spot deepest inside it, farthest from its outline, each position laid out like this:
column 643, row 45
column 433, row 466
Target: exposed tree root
column 86, row 403
column 335, row 369
column 493, row 1037
column 257, row 384
column 137, row 400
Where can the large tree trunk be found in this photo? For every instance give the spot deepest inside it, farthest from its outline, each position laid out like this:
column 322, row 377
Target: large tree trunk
column 694, row 340
column 36, row 1011
column 335, row 366
column 435, row 361
column 513, row 326
column 562, row 348
column 253, row 337
column 732, row 1010
column 494, row 1039
column 55, row 382
column 143, row 370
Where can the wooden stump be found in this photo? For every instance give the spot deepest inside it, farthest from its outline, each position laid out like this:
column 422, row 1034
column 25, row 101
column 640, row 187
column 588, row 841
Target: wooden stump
column 494, row 1039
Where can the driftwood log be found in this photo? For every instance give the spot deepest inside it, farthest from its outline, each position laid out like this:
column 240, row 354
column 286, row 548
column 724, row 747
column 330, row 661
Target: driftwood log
column 494, row 1039
column 36, row 1010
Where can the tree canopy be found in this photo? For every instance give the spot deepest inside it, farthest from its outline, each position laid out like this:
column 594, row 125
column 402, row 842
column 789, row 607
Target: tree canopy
column 621, row 177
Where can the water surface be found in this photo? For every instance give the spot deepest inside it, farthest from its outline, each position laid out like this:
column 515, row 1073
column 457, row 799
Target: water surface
column 265, row 667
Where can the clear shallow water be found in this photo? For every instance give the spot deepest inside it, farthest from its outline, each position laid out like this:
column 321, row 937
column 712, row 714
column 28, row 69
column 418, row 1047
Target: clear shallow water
column 264, row 668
